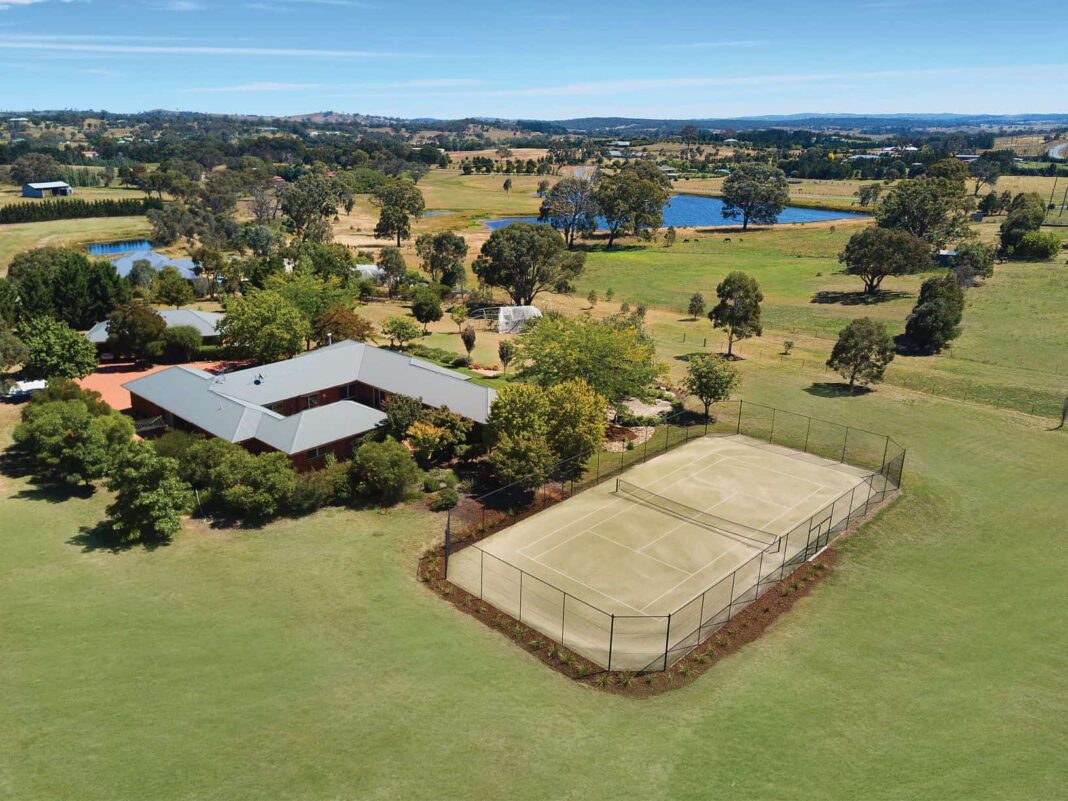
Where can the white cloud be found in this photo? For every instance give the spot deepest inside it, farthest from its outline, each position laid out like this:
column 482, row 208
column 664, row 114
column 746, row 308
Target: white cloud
column 273, row 86
column 43, row 44
column 714, row 45
column 255, row 86
column 6, row 5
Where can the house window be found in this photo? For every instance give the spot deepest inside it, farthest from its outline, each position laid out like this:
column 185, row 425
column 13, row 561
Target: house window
column 349, row 391
column 279, row 407
column 315, row 453
column 310, row 401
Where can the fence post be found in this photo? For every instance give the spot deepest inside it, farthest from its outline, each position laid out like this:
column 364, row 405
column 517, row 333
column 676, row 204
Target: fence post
column 667, row 640
column 611, row 639
column 598, row 479
column 701, row 619
column 645, row 448
column 448, row 540
column 886, row 448
column 738, row 430
column 771, row 436
column 844, row 443
column 481, row 570
column 808, row 430
column 520, row 595
column 563, row 616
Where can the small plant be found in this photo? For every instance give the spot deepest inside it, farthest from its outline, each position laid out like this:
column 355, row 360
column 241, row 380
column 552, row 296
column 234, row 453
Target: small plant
column 563, row 657
column 517, row 631
column 625, row 678
column 443, row 500
column 819, row 565
column 603, row 679
column 649, row 678
column 625, row 308
column 609, row 294
column 553, row 651
column 536, row 644
column 592, row 298
column 787, row 346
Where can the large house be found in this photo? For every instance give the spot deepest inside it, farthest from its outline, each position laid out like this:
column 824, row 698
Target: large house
column 205, row 322
column 306, row 407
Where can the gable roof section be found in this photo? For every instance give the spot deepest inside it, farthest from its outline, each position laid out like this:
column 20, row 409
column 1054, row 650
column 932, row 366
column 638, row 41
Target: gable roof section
column 203, row 321
column 346, row 362
column 48, row 185
column 188, row 393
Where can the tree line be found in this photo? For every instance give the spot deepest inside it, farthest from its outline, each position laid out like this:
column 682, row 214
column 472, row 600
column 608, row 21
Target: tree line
column 76, row 208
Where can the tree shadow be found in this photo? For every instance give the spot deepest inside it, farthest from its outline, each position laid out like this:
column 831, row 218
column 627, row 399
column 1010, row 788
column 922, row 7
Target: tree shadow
column 103, row 537
column 689, row 357
column 836, row 389
column 859, row 298
column 55, row 493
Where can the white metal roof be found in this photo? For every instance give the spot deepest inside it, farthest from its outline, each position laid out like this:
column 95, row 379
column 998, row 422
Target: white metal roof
column 49, row 185
column 205, row 322
column 189, row 394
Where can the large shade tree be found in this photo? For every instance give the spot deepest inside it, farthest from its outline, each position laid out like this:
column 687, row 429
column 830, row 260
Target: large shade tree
column 570, row 207
column 875, row 253
column 738, row 310
column 632, row 200
column 756, row 193
column 398, row 201
column 613, row 356
column 933, row 209
column 862, row 352
column 525, row 259
column 264, row 326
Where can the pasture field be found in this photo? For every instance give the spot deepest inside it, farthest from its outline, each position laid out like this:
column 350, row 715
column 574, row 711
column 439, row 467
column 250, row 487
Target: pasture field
column 840, row 195
column 23, row 236
column 304, row 661
column 13, row 194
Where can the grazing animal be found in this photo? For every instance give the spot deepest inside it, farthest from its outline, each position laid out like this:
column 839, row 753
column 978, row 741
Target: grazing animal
column 726, row 239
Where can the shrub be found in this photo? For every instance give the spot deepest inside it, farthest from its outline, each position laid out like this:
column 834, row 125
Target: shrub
column 318, row 488
column 181, row 343
column 443, row 500
column 383, row 472
column 401, row 412
column 434, row 480
column 1037, row 246
column 68, row 443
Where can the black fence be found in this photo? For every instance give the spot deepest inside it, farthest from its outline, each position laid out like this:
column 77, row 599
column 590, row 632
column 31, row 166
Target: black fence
column 654, row 642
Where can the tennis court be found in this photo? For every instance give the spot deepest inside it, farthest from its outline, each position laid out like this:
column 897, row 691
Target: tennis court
column 610, row 563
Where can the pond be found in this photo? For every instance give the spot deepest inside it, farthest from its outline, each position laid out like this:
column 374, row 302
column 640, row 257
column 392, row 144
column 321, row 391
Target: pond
column 692, row 211
column 124, row 254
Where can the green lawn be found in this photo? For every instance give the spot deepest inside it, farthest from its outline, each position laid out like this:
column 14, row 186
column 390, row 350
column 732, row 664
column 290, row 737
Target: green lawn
column 303, row 661
column 21, row 236
column 793, row 265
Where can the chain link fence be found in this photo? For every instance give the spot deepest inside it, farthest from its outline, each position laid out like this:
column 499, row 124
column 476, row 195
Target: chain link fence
column 654, row 642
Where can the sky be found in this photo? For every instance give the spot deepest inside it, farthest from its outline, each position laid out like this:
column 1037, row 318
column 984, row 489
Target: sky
column 423, row 58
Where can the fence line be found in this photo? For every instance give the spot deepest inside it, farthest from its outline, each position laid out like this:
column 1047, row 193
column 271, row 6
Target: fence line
column 654, row 642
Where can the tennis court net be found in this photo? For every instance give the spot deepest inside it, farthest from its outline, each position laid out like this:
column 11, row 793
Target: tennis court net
column 753, row 537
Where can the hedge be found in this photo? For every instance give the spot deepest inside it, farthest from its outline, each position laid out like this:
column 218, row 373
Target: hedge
column 76, row 209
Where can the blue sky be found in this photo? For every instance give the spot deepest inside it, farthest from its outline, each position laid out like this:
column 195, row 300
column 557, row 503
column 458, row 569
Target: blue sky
column 535, row 60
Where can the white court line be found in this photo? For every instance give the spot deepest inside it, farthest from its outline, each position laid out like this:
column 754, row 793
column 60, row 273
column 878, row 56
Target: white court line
column 654, row 542
column 647, row 556
column 704, row 567
column 612, row 499
column 803, row 500
column 569, row 577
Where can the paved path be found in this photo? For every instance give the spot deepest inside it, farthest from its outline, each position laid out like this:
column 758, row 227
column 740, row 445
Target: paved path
column 1059, row 151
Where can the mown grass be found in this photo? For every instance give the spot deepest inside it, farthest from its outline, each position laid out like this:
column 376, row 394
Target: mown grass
column 303, row 661
column 21, row 236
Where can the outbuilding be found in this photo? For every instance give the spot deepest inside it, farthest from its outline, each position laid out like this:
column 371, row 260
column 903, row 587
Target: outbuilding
column 47, row 189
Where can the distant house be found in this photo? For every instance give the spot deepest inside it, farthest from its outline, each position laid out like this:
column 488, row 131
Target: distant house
column 669, row 172
column 207, row 323
column 89, row 154
column 305, row 407
column 47, row 189
column 945, row 257
column 968, row 156
column 619, row 143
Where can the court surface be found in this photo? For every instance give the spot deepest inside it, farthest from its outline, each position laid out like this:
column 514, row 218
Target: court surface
column 617, row 554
